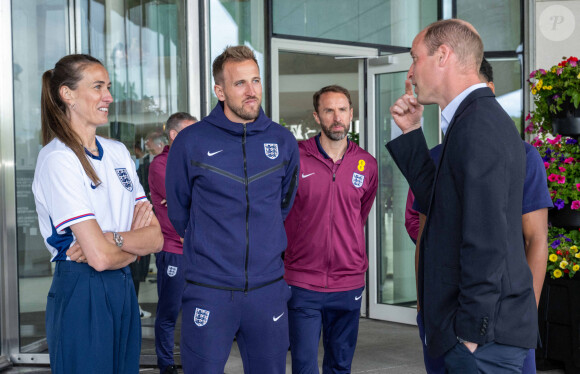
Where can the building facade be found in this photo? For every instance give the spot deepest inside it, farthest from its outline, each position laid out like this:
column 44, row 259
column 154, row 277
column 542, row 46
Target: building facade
column 159, row 53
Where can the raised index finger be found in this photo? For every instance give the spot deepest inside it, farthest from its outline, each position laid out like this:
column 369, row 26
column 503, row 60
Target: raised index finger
column 408, row 87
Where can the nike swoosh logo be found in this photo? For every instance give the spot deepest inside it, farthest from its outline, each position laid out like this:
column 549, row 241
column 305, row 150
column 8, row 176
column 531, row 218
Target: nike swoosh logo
column 277, row 318
column 307, row 175
column 213, row 153
column 93, row 186
column 357, row 298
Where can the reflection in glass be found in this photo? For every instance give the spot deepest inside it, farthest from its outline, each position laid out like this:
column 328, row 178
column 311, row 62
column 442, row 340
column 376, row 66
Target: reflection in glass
column 237, row 22
column 379, row 22
column 396, row 254
column 497, row 21
column 301, row 75
column 39, row 40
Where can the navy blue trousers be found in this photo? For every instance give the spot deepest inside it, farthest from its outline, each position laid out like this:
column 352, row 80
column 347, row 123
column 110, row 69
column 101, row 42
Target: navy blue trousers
column 437, row 365
column 491, row 358
column 170, row 283
column 92, row 321
column 337, row 314
column 258, row 319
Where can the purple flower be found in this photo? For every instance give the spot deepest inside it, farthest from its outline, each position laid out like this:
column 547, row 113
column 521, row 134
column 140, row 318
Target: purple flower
column 572, row 63
column 546, row 158
column 548, row 152
column 555, row 97
column 542, row 71
column 533, row 74
column 571, row 141
column 555, row 243
column 559, row 204
column 559, row 71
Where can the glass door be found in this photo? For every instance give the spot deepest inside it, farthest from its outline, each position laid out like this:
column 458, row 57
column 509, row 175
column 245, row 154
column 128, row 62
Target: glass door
column 392, row 290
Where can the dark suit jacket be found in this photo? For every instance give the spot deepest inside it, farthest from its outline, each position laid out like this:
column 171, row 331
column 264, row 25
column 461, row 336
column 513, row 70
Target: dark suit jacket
column 474, row 281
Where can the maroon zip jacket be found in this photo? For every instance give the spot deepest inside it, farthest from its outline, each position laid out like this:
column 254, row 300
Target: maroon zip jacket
column 325, row 228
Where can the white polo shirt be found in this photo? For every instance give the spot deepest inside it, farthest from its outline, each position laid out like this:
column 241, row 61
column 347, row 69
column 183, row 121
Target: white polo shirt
column 65, row 195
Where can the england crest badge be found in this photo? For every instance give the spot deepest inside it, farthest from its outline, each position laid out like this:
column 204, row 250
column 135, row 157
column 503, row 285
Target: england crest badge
column 171, row 270
column 201, row 316
column 124, row 178
column 357, row 180
column 271, row 150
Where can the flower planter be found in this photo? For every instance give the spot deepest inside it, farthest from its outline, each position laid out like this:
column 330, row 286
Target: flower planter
column 564, row 217
column 559, row 324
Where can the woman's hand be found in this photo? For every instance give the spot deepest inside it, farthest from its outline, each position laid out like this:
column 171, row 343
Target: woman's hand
column 75, row 253
column 142, row 215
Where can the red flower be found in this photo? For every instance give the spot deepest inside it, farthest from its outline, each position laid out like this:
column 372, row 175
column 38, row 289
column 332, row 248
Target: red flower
column 559, row 252
column 566, row 271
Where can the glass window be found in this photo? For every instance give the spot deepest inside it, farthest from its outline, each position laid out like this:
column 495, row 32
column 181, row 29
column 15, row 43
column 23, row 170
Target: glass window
column 237, row 22
column 40, row 39
column 497, row 21
column 396, row 254
column 508, row 87
column 301, row 75
column 383, row 22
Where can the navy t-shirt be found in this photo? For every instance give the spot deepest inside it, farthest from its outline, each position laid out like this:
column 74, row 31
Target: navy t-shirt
column 536, row 194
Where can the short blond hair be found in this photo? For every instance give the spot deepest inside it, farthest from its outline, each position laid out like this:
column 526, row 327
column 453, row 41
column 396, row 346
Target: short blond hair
column 460, row 36
column 238, row 53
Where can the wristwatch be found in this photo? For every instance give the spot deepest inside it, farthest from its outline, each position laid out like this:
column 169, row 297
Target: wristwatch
column 118, row 239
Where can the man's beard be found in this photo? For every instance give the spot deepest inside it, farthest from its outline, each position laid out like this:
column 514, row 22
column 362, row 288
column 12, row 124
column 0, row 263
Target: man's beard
column 335, row 135
column 246, row 114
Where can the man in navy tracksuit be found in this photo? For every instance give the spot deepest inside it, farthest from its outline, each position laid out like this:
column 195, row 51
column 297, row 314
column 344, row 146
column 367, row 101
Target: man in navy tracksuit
column 231, row 181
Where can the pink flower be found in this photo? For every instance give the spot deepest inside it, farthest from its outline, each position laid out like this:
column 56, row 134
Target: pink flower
column 528, row 116
column 556, row 140
column 562, row 169
column 553, row 178
column 561, row 179
column 575, row 204
column 547, row 165
column 533, row 74
column 537, row 143
column 569, row 160
column 542, row 71
column 559, row 71
column 530, row 128
column 573, row 63
column 578, row 186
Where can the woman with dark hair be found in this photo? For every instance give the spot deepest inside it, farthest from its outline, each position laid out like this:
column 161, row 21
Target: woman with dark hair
column 95, row 220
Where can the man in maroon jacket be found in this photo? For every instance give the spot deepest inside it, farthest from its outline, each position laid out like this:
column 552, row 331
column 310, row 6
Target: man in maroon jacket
column 326, row 257
column 170, row 280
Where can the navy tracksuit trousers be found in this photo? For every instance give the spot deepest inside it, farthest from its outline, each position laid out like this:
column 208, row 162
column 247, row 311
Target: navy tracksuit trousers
column 337, row 315
column 258, row 319
column 170, row 284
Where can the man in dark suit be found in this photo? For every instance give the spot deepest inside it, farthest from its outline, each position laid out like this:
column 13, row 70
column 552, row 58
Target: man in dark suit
column 475, row 287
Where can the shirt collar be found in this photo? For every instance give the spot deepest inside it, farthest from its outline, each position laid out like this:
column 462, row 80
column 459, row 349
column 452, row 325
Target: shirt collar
column 449, row 111
column 322, row 151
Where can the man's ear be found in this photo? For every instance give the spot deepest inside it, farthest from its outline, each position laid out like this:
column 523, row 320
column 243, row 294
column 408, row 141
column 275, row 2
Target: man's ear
column 315, row 114
column 219, row 92
column 172, row 134
column 443, row 52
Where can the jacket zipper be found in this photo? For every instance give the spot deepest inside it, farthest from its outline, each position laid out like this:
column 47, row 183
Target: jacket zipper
column 331, row 214
column 247, row 210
